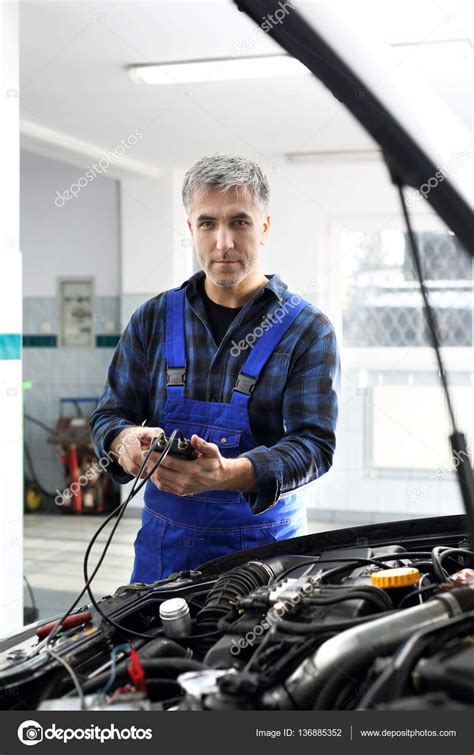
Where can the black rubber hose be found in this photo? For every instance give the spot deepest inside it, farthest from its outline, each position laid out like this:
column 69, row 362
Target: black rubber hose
column 375, row 595
column 231, row 586
column 311, row 627
column 440, row 553
column 414, row 647
column 162, row 647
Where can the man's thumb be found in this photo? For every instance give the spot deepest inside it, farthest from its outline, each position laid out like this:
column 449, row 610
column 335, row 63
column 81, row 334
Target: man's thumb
column 201, row 445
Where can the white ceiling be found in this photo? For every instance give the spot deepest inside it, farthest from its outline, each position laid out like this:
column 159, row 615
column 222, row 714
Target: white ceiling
column 77, row 99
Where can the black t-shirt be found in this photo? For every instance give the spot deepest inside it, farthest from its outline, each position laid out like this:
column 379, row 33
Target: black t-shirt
column 219, row 317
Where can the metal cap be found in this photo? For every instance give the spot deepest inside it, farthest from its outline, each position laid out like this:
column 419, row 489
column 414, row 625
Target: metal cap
column 174, row 608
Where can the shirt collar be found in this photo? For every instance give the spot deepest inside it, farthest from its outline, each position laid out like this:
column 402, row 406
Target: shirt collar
column 275, row 285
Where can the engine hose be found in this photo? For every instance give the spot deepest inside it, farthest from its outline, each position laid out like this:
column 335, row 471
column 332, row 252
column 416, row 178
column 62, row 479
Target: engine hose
column 389, row 686
column 313, row 627
column 317, row 681
column 162, row 647
column 231, row 586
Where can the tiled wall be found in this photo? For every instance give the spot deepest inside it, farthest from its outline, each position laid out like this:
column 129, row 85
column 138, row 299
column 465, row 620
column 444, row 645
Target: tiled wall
column 57, row 372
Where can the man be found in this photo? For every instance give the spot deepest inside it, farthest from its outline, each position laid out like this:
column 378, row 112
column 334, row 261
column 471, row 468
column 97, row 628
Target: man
column 242, row 367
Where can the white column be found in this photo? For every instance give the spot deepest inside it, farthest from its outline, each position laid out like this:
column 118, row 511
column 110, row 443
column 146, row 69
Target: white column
column 156, row 252
column 11, row 438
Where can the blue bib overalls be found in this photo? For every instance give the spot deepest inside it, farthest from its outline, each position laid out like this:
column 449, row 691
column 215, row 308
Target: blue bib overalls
column 181, row 532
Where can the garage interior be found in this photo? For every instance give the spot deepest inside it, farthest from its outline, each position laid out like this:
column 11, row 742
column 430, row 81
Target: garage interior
column 74, row 269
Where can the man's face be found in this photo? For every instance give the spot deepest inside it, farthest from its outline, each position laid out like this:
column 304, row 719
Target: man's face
column 227, row 230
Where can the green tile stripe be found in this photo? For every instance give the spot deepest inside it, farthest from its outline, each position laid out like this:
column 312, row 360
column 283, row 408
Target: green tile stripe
column 106, row 342
column 10, row 346
column 51, row 341
column 38, row 341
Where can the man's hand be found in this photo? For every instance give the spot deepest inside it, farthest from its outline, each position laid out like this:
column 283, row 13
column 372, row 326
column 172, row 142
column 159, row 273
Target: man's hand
column 130, row 446
column 209, row 471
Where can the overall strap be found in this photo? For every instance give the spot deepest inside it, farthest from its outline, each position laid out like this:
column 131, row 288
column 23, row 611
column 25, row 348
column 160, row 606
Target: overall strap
column 262, row 350
column 175, row 342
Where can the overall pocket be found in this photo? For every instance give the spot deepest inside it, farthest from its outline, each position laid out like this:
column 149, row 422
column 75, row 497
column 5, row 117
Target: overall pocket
column 189, row 547
column 252, row 537
column 148, row 566
column 228, row 442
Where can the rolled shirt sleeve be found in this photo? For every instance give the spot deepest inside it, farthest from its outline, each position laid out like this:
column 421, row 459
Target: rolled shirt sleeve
column 310, row 410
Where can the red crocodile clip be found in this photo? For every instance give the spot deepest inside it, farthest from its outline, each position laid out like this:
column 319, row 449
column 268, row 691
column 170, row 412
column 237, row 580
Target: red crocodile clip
column 136, row 672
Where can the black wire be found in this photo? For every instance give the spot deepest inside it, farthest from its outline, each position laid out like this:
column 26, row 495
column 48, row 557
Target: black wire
column 259, row 649
column 317, row 561
column 439, row 553
column 414, row 593
column 429, row 312
column 58, row 626
column 457, row 439
column 116, row 512
column 378, row 561
column 123, row 631
column 28, row 586
column 389, row 557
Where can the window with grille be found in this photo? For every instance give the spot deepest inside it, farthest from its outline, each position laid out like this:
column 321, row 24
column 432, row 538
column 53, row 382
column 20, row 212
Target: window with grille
column 382, row 303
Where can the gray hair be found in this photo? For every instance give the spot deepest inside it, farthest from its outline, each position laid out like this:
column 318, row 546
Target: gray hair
column 225, row 172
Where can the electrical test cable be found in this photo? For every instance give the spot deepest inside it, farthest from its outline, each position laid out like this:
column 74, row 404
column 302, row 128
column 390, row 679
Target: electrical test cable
column 116, row 512
column 123, row 631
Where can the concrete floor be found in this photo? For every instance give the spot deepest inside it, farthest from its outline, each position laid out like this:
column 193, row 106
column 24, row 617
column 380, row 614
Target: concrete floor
column 54, row 547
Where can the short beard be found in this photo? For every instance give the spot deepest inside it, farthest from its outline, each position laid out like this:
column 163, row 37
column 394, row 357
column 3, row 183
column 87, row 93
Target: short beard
column 228, row 282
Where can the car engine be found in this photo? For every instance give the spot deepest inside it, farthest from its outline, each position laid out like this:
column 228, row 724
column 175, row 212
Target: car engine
column 347, row 620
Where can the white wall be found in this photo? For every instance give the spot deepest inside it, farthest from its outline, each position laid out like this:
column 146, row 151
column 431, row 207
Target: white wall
column 79, row 238
column 11, row 475
column 309, row 204
column 155, row 251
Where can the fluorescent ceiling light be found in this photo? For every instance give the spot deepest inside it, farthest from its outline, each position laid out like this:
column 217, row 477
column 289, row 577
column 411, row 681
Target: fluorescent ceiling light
column 217, row 69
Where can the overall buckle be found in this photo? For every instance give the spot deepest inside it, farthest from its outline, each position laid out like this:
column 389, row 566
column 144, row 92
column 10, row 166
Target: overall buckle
column 175, row 376
column 245, row 384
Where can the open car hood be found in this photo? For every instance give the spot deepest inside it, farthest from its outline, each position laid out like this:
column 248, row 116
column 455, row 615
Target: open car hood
column 416, row 132
column 370, row 617
column 326, row 608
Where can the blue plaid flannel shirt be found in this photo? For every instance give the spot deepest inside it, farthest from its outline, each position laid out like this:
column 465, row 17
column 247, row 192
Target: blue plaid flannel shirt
column 294, row 407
